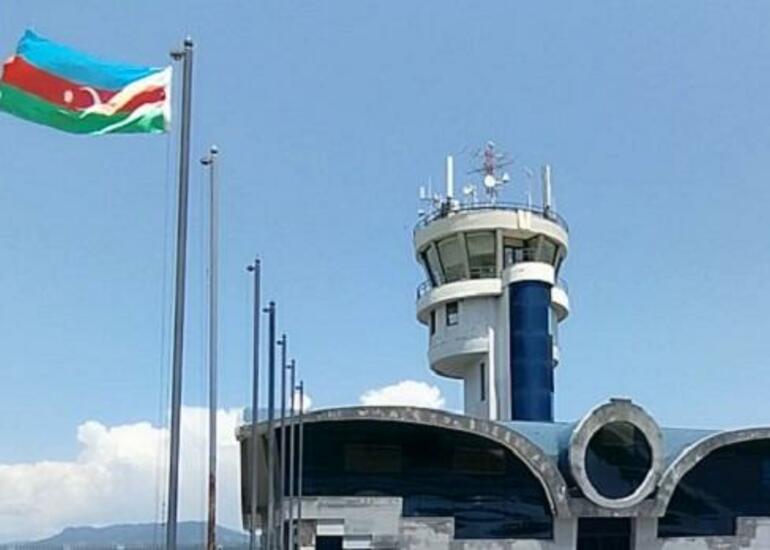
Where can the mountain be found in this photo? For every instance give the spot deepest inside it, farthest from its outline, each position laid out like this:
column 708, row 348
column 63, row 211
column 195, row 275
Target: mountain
column 138, row 536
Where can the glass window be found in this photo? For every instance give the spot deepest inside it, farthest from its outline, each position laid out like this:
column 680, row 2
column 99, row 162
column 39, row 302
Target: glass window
column 548, row 251
column 483, row 381
column 432, row 322
column 328, row 543
column 604, row 533
column 452, row 313
column 481, row 254
column 618, row 459
column 510, row 248
column 473, row 460
column 488, row 491
column 426, row 266
column 380, row 459
column 559, row 261
column 725, row 485
column 452, row 259
column 434, row 265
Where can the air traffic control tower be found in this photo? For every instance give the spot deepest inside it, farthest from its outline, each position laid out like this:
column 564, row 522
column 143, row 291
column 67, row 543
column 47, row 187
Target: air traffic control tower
column 492, row 300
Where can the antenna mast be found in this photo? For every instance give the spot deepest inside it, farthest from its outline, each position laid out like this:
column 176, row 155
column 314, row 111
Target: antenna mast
column 492, row 162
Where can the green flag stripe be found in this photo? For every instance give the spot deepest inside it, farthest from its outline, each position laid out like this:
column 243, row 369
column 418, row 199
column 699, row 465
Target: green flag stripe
column 34, row 109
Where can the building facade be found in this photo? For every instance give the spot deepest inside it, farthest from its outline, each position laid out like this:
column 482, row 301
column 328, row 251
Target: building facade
column 504, row 474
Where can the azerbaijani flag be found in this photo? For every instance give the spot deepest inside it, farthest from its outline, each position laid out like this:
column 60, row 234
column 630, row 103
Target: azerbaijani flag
column 52, row 84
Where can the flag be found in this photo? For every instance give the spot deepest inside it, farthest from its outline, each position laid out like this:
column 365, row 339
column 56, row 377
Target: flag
column 52, row 84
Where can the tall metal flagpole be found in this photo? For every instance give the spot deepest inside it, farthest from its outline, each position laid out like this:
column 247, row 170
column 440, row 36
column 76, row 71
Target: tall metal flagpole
column 210, row 161
column 186, row 55
column 269, row 528
column 282, row 463
column 293, row 367
column 300, row 461
column 254, row 268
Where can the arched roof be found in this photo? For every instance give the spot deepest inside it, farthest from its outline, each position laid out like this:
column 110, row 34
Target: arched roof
column 692, row 455
column 530, row 454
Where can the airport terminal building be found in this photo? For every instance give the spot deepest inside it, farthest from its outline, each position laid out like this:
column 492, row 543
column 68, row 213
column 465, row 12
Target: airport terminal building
column 504, row 474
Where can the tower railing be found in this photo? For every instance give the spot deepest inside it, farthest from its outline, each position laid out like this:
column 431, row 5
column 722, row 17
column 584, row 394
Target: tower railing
column 426, row 286
column 446, row 210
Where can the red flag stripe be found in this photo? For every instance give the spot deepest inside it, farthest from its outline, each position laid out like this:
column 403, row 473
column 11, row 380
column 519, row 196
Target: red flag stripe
column 70, row 95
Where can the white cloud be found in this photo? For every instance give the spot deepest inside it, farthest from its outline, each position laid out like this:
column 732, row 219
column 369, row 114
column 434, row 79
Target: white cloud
column 120, row 476
column 307, row 401
column 406, row 392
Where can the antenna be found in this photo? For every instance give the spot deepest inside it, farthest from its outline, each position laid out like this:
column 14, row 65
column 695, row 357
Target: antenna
column 428, row 197
column 450, row 177
column 492, row 162
column 547, row 199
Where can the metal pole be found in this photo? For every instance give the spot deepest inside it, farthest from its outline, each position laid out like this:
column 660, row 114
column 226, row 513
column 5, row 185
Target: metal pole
column 282, row 468
column 186, row 55
column 301, row 457
column 270, row 527
column 293, row 367
column 255, row 268
column 211, row 542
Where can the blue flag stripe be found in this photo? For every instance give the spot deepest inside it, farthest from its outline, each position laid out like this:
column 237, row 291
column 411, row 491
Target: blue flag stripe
column 76, row 66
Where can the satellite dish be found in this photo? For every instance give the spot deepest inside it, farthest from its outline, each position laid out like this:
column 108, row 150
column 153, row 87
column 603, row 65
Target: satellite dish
column 489, row 181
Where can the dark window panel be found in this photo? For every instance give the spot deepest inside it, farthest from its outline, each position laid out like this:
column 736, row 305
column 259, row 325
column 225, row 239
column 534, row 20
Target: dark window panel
column 728, row 483
column 487, row 490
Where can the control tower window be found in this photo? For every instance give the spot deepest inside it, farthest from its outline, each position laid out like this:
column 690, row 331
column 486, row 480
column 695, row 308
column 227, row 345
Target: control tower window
column 512, row 251
column 548, row 251
column 434, row 265
column 452, row 313
column 452, row 259
column 541, row 249
column 481, row 254
column 426, row 266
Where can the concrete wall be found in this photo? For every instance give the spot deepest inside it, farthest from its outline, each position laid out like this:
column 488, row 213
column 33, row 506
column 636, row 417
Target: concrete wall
column 376, row 522
column 751, row 534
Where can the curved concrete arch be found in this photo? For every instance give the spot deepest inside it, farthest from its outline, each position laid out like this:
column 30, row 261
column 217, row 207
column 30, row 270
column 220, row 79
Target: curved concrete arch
column 617, row 410
column 692, row 456
column 531, row 455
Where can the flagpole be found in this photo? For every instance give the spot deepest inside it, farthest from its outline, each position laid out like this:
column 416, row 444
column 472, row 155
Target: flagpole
column 186, row 55
column 256, row 269
column 270, row 527
column 293, row 367
column 282, row 462
column 300, row 461
column 210, row 161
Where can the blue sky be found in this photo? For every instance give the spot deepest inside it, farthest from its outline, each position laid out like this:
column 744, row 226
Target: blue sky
column 329, row 116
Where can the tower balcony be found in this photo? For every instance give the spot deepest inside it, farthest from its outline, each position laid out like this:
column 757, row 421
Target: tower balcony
column 429, row 296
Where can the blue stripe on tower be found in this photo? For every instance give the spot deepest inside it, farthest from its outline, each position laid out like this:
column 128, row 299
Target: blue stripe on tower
column 531, row 367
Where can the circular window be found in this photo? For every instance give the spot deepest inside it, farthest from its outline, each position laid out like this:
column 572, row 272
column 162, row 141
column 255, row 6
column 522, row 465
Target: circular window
column 618, row 459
